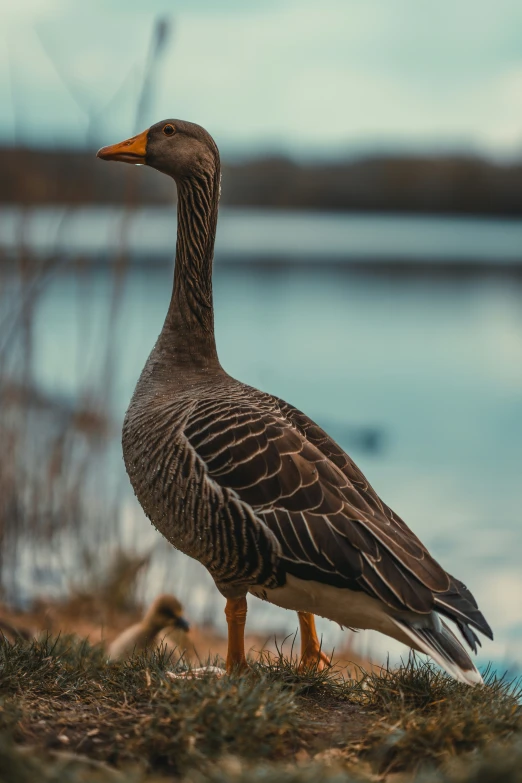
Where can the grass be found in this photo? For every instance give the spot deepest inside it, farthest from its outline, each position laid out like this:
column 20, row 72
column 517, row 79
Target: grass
column 133, row 713
column 72, row 716
column 428, row 718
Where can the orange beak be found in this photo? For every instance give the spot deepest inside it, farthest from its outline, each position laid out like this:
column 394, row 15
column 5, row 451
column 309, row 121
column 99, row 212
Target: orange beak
column 130, row 151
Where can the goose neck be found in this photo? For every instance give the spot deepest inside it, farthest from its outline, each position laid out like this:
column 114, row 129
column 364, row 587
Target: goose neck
column 189, row 327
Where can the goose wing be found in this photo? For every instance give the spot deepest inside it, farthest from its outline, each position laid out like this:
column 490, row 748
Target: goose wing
column 457, row 602
column 330, row 524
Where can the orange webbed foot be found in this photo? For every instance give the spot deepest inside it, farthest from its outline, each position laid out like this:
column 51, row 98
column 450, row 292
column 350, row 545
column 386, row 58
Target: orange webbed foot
column 317, row 660
column 312, row 657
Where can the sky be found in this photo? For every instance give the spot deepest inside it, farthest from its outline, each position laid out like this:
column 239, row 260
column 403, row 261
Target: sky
column 297, row 76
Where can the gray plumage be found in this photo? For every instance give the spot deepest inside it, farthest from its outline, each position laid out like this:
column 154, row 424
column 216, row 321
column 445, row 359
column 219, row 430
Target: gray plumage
column 250, row 486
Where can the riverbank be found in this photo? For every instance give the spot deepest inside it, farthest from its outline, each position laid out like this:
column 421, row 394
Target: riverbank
column 443, row 184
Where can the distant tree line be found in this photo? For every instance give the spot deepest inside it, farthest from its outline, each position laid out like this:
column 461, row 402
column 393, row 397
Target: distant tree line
column 449, row 184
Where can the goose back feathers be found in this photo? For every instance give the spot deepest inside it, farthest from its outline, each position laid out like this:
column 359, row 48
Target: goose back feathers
column 254, row 490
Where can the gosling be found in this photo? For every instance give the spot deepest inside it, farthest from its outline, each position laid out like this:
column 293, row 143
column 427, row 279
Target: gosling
column 164, row 614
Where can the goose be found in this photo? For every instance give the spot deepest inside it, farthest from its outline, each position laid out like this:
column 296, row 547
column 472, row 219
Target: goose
column 164, row 613
column 250, row 486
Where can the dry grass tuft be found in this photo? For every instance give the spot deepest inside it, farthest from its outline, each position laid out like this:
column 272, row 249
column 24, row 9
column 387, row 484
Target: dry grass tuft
column 29, row 765
column 273, row 725
column 131, row 712
column 312, row 681
column 423, row 717
column 502, row 763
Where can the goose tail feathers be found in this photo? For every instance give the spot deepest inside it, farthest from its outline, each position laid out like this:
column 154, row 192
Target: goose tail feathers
column 441, row 644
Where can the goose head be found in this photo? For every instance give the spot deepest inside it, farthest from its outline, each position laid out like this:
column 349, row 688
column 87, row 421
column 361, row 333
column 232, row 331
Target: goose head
column 174, row 147
column 166, row 612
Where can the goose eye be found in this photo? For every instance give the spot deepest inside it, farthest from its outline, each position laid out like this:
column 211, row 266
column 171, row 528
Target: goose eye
column 168, row 130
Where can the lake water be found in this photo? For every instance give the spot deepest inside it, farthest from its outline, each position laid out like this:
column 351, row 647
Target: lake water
column 419, row 376
column 272, row 237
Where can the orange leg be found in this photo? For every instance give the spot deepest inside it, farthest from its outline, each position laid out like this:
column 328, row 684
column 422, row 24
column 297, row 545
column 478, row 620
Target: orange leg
column 311, row 654
column 236, row 612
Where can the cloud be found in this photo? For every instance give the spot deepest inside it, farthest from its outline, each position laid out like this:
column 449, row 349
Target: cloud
column 29, row 11
column 295, row 74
